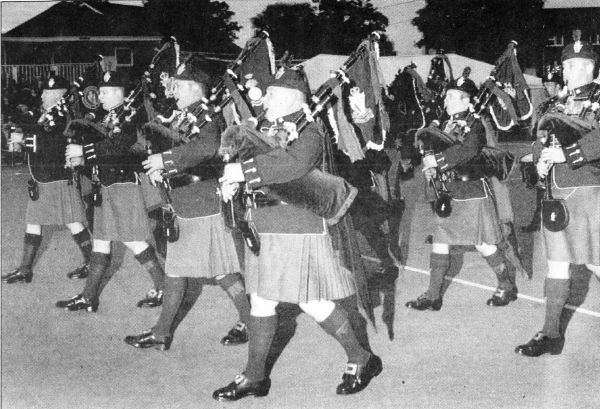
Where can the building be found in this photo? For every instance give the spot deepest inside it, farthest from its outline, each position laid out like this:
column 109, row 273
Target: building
column 67, row 36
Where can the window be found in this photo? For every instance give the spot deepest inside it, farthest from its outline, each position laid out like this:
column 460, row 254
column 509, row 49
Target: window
column 556, row 41
column 124, row 57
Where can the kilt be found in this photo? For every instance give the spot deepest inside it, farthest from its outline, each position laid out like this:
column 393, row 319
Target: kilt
column 579, row 243
column 58, row 203
column 472, row 222
column 122, row 215
column 297, row 268
column 205, row 249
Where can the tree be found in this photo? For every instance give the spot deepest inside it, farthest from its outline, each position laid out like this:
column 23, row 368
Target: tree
column 481, row 29
column 332, row 27
column 198, row 25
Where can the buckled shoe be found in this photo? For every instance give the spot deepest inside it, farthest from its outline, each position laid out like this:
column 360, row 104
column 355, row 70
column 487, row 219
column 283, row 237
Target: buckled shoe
column 541, row 344
column 242, row 387
column 236, row 336
column 20, row 275
column 502, row 298
column 80, row 272
column 154, row 298
column 357, row 377
column 423, row 303
column 148, row 339
column 77, row 303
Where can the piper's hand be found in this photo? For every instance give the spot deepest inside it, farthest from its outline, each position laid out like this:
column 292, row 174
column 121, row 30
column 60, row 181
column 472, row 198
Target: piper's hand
column 77, row 161
column 429, row 162
column 553, row 155
column 430, row 173
column 73, row 151
column 154, row 163
column 233, row 173
column 543, row 168
column 156, row 178
column 229, row 190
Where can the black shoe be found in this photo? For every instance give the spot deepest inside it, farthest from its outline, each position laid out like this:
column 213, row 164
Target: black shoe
column 80, row 272
column 154, row 298
column 20, row 275
column 541, row 344
column 236, row 336
column 242, row 387
column 503, row 297
column 357, row 377
column 148, row 339
column 423, row 303
column 79, row 302
column 531, row 227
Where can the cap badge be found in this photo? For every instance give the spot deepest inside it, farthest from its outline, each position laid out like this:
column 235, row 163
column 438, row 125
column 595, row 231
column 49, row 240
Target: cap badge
column 577, row 46
column 107, row 77
column 51, row 82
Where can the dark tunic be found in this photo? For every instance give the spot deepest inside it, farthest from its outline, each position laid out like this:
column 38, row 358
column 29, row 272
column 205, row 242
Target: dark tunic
column 122, row 215
column 205, row 247
column 59, row 199
column 577, row 182
column 474, row 219
column 299, row 260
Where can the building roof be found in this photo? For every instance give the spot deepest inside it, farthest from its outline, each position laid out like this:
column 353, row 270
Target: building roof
column 75, row 20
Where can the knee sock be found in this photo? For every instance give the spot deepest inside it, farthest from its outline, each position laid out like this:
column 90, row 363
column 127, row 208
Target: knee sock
column 233, row 285
column 557, row 292
column 84, row 241
column 338, row 326
column 286, row 328
column 149, row 261
column 31, row 245
column 99, row 263
column 172, row 298
column 261, row 331
column 357, row 321
column 497, row 262
column 439, row 265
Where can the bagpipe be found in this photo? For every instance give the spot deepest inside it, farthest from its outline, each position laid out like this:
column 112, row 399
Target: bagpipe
column 319, row 191
column 568, row 129
column 489, row 161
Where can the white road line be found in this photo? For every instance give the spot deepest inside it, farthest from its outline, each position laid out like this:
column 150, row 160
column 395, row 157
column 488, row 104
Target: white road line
column 486, row 287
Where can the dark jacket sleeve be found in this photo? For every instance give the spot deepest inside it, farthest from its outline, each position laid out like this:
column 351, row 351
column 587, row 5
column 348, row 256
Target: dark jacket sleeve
column 586, row 150
column 283, row 165
column 461, row 153
column 204, row 148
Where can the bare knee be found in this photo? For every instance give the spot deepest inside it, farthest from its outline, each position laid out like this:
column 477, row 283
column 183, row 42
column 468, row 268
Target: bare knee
column 318, row 309
column 261, row 307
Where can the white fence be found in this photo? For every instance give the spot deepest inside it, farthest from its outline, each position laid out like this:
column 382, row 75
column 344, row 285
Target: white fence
column 29, row 72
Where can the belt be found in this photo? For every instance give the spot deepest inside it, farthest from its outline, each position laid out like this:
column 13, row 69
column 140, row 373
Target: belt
column 182, row 180
column 259, row 199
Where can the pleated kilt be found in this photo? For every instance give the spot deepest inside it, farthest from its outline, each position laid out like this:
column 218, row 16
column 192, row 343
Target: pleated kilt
column 579, row 243
column 122, row 215
column 58, row 203
column 297, row 268
column 205, row 249
column 472, row 222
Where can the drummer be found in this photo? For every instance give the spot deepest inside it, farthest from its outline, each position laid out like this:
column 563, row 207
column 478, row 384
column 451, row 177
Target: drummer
column 553, row 83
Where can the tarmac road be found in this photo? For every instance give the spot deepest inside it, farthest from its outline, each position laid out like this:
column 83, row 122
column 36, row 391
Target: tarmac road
column 459, row 357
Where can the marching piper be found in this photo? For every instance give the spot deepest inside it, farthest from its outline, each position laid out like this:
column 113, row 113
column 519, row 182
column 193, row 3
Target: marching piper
column 120, row 213
column 205, row 247
column 300, row 262
column 54, row 197
column 473, row 220
column 568, row 152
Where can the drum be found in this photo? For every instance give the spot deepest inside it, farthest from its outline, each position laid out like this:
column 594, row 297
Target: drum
column 529, row 173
